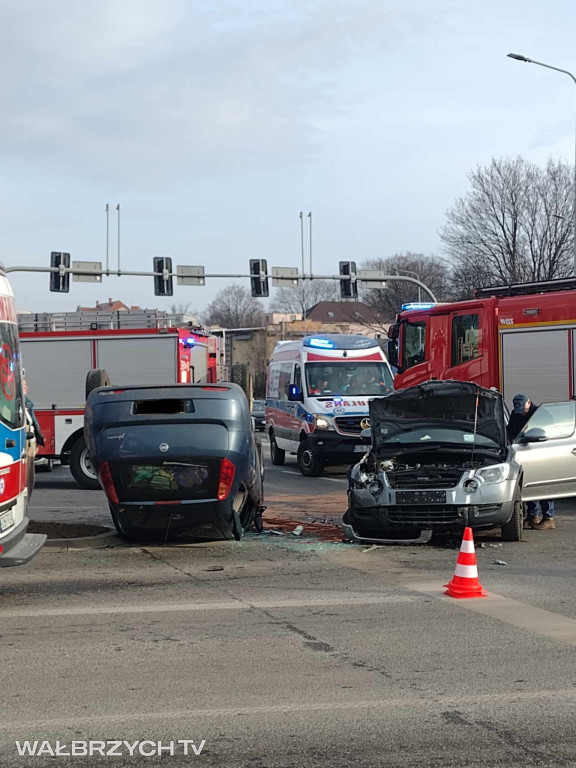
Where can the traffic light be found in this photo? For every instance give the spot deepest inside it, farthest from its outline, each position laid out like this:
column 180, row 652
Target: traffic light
column 258, row 285
column 348, row 288
column 59, row 283
column 163, row 287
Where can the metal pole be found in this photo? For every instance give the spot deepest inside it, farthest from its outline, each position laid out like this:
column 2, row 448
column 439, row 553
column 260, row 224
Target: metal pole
column 310, row 217
column 107, row 234
column 118, row 209
column 519, row 57
column 303, row 272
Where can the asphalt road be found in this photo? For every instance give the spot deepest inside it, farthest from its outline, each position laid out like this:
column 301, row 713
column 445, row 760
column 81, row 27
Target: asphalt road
column 281, row 652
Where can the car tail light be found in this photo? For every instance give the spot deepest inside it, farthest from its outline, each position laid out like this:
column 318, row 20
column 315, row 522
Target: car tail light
column 227, row 471
column 1, row 549
column 107, row 483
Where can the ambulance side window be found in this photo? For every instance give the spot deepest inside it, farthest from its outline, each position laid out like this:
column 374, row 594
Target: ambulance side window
column 284, row 380
column 465, row 338
column 273, row 379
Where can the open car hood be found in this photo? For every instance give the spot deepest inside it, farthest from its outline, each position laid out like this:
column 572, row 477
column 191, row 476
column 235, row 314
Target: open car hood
column 441, row 404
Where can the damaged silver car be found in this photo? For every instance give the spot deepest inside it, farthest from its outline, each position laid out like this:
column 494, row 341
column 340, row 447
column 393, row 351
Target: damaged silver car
column 440, row 461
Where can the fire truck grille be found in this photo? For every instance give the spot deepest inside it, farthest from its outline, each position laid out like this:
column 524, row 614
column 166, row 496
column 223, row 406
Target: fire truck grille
column 349, row 425
column 417, row 479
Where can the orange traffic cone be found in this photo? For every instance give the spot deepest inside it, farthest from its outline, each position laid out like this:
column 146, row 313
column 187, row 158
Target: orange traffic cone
column 465, row 580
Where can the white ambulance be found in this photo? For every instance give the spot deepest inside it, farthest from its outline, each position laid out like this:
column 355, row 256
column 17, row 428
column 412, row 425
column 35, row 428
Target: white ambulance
column 317, row 398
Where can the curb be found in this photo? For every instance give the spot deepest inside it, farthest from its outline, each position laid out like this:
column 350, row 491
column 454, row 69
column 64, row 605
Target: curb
column 107, row 539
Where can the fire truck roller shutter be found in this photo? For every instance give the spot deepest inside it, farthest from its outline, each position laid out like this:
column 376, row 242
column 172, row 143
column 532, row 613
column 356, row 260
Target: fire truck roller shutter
column 129, row 360
column 536, row 362
column 56, row 371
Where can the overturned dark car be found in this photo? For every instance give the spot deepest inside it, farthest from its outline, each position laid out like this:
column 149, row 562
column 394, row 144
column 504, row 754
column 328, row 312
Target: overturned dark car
column 177, row 461
column 440, row 461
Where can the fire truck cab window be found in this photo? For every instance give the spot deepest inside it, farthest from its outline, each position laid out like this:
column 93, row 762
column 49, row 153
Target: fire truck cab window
column 465, row 338
column 414, row 345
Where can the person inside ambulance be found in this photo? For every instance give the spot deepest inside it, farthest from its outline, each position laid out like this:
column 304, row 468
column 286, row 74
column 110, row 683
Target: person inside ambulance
column 319, row 386
column 524, row 408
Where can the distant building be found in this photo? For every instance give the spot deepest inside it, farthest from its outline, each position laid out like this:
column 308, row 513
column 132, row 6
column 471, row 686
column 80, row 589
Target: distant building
column 347, row 317
column 108, row 306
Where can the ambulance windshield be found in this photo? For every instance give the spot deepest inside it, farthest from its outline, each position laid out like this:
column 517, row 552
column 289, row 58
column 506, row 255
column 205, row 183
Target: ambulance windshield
column 339, row 380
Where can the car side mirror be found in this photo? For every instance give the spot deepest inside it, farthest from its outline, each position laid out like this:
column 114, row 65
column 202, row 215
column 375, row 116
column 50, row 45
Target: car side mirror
column 534, row 435
column 366, row 434
column 295, row 394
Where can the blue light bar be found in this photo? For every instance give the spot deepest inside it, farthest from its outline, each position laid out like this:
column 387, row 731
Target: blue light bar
column 190, row 341
column 321, row 343
column 418, row 305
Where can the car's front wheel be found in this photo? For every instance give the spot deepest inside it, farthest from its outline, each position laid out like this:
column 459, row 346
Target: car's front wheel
column 307, row 463
column 512, row 530
column 81, row 466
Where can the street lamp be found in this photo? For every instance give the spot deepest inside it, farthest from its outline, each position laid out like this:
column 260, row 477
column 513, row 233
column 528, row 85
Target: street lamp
column 414, row 274
column 519, row 57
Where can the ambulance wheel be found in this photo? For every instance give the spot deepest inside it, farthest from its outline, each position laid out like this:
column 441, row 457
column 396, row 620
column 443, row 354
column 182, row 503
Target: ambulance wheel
column 512, row 530
column 81, row 466
column 95, row 378
column 308, row 465
column 277, row 455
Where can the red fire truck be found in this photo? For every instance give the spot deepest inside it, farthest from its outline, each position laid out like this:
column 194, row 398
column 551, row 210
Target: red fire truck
column 133, row 347
column 517, row 338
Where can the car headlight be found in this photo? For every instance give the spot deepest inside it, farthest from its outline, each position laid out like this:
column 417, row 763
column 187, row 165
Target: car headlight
column 495, row 474
column 322, row 423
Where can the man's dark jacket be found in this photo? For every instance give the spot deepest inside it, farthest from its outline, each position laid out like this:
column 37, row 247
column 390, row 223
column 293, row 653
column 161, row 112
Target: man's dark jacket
column 518, row 422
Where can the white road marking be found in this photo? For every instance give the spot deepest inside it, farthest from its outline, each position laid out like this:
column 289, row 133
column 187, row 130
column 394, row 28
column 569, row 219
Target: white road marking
column 237, row 605
column 436, row 703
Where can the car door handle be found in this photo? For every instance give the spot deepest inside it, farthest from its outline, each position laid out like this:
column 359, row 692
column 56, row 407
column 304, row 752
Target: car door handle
column 573, row 451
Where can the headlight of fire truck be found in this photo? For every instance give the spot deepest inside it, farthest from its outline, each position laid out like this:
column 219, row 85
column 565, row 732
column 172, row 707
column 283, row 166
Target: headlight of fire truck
column 323, row 422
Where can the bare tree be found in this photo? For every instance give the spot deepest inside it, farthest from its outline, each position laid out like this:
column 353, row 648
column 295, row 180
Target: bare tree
column 386, row 302
column 304, row 296
column 514, row 225
column 234, row 307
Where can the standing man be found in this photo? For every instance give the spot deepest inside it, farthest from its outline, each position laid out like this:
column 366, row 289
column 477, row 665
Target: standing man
column 523, row 410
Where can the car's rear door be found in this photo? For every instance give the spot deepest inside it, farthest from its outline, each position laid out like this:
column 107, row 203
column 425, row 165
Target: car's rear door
column 549, row 466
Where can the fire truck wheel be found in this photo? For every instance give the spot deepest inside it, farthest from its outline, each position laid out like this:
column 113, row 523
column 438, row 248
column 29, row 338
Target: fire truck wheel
column 512, row 531
column 308, row 465
column 81, row 466
column 277, row 455
column 95, row 378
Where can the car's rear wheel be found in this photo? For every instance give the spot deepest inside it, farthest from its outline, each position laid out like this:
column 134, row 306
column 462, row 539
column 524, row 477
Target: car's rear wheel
column 307, row 463
column 95, row 378
column 277, row 455
column 512, row 530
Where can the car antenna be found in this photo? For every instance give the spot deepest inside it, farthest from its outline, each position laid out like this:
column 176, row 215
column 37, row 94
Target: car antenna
column 475, row 425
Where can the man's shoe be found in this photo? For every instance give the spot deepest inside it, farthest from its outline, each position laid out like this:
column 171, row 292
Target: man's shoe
column 547, row 524
column 529, row 523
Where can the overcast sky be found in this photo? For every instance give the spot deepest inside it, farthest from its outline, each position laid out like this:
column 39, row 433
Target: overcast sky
column 214, row 122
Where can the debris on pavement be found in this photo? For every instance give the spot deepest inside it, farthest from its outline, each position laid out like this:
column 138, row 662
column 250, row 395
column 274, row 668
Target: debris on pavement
column 374, row 546
column 500, row 562
column 298, row 530
column 271, row 532
column 215, row 568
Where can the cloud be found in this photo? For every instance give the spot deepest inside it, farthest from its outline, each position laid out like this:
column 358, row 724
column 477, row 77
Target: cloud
column 154, row 90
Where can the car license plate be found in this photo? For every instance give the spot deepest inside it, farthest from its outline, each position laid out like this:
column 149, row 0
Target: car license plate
column 361, row 448
column 420, row 497
column 6, row 520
